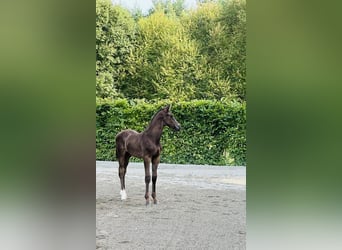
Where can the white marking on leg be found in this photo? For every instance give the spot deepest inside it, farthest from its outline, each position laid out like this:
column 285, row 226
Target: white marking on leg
column 123, row 194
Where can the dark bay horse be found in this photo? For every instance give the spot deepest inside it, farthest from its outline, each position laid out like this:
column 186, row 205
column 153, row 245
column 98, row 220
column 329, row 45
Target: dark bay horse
column 144, row 145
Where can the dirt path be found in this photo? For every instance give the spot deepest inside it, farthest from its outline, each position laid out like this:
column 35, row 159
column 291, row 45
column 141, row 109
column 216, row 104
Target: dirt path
column 200, row 207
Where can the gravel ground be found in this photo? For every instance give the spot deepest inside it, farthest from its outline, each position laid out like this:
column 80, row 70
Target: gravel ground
column 199, row 207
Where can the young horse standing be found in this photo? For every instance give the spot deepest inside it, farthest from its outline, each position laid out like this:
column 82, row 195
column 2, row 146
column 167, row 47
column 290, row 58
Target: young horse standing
column 144, row 145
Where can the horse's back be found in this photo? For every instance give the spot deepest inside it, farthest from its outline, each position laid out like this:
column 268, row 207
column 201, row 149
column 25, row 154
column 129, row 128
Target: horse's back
column 125, row 133
column 121, row 137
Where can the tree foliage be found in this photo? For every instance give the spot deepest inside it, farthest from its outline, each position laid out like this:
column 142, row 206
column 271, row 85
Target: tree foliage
column 169, row 7
column 220, row 31
column 172, row 53
column 114, row 41
column 165, row 62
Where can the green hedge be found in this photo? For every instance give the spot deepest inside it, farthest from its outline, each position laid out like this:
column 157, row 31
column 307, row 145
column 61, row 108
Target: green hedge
column 212, row 132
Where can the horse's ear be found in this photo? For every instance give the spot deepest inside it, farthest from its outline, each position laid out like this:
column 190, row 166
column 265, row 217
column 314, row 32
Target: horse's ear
column 167, row 108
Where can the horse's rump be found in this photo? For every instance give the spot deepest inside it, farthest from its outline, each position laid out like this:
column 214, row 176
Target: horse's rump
column 121, row 140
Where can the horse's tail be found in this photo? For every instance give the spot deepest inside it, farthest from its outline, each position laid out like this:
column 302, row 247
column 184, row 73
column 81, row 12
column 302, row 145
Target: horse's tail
column 120, row 141
column 118, row 145
column 117, row 152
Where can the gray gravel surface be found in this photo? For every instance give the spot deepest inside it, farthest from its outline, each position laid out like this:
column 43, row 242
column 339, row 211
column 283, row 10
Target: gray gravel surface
column 199, row 207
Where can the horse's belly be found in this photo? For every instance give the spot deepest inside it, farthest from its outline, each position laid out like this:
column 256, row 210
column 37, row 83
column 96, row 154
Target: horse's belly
column 134, row 150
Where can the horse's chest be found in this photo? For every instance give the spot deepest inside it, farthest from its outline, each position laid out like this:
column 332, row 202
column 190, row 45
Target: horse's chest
column 153, row 150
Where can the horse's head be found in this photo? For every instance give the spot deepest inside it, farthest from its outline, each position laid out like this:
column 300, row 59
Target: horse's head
column 169, row 120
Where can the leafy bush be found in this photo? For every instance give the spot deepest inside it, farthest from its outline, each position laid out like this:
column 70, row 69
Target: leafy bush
column 212, row 132
column 115, row 32
column 172, row 53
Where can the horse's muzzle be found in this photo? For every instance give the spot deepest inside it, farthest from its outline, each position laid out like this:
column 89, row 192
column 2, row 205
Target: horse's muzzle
column 177, row 127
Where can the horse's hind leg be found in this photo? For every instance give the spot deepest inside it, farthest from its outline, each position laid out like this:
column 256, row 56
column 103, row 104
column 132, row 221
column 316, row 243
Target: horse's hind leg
column 147, row 162
column 155, row 163
column 123, row 162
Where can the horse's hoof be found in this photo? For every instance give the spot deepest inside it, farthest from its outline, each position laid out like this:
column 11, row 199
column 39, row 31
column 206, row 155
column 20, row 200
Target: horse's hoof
column 147, row 202
column 155, row 202
column 123, row 194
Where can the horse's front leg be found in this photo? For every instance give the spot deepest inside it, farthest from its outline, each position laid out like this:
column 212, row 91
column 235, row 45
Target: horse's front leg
column 147, row 162
column 155, row 163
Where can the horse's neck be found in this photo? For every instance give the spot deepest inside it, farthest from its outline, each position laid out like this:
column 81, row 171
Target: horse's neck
column 155, row 129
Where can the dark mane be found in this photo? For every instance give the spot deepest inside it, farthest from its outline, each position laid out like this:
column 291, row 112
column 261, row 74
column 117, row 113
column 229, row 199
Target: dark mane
column 154, row 115
column 153, row 118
